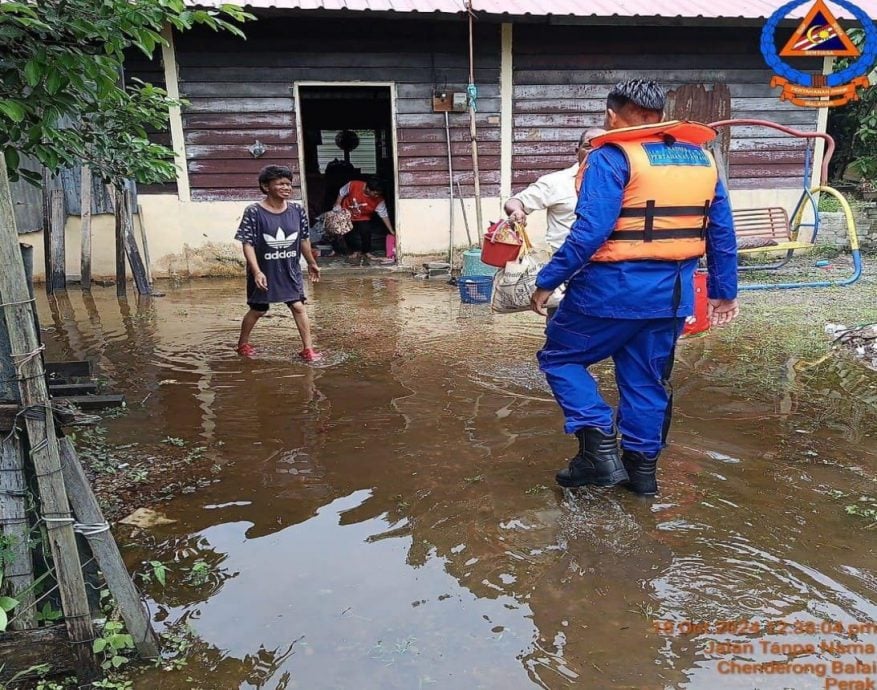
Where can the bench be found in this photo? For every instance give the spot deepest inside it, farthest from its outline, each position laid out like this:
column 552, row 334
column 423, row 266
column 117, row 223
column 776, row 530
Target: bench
column 764, row 230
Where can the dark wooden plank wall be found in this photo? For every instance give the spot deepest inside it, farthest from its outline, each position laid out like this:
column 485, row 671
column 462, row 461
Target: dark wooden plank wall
column 138, row 66
column 240, row 91
column 562, row 76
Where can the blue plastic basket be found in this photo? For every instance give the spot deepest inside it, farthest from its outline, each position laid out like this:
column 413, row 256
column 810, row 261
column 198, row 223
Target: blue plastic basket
column 475, row 289
column 473, row 266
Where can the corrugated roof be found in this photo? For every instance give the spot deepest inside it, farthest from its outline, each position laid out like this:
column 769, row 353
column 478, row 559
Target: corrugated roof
column 707, row 9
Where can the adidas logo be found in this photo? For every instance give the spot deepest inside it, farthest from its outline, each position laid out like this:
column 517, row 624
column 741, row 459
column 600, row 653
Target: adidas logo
column 280, row 240
column 281, row 255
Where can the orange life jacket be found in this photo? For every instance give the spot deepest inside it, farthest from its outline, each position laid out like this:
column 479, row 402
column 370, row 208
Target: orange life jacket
column 665, row 207
column 361, row 206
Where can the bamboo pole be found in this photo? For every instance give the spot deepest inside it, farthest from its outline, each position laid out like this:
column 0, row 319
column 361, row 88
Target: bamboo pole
column 55, row 510
column 472, row 129
column 85, row 254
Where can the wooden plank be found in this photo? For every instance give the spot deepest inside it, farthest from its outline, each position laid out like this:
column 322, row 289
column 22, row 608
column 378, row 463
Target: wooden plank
column 233, row 89
column 769, row 183
column 44, row 454
column 613, row 76
column 768, row 170
column 552, row 92
column 18, row 567
column 435, row 135
column 412, row 75
column 85, row 230
column 132, row 251
column 360, row 60
column 269, row 137
column 223, row 181
column 242, row 121
column 57, row 241
column 59, row 390
column 437, row 178
column 647, row 59
column 70, row 369
column 229, row 151
column 405, row 106
column 233, row 166
column 554, row 120
column 96, row 402
column 420, row 150
column 460, row 163
column 26, row 649
column 106, row 553
column 488, row 90
column 439, row 191
column 437, row 120
column 239, row 105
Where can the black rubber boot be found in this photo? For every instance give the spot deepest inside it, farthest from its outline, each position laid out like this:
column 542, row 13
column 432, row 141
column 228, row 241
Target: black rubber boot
column 642, row 472
column 597, row 463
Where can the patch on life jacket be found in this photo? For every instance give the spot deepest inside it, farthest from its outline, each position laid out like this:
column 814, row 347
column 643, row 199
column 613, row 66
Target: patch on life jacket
column 678, row 154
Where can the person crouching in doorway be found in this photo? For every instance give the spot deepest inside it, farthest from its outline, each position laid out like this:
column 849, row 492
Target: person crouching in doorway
column 364, row 200
column 274, row 235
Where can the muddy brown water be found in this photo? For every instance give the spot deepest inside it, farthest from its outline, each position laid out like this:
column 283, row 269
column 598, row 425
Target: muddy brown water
column 389, row 520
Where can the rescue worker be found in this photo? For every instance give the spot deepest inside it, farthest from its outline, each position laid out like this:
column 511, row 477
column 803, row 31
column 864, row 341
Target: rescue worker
column 651, row 205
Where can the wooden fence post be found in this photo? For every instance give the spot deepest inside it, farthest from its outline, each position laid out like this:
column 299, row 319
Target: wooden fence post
column 85, row 257
column 106, row 553
column 119, row 204
column 18, row 570
column 58, row 241
column 138, row 270
column 55, row 509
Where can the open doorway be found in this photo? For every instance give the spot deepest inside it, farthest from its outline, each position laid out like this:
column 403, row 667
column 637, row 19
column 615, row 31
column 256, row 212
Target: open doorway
column 346, row 135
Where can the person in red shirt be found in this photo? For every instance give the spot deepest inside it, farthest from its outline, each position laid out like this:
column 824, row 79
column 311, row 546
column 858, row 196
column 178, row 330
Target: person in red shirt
column 364, row 200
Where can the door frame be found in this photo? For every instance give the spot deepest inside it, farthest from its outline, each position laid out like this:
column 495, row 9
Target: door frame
column 299, row 133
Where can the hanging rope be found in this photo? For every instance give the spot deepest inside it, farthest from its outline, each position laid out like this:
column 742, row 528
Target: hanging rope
column 472, row 94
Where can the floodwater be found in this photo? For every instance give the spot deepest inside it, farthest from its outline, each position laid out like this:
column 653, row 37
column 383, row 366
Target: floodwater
column 390, row 520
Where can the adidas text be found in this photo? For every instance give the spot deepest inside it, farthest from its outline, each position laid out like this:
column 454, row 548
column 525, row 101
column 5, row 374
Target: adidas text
column 281, row 255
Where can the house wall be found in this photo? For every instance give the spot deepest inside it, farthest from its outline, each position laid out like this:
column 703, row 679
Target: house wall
column 558, row 76
column 563, row 73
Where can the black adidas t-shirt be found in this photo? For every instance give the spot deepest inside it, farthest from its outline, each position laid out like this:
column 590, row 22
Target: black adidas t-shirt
column 276, row 238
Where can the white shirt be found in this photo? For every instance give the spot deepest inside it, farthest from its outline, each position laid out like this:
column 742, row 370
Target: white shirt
column 554, row 193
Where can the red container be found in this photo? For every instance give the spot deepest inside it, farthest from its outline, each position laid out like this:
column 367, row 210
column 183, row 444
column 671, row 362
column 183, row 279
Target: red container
column 498, row 254
column 699, row 322
column 390, row 246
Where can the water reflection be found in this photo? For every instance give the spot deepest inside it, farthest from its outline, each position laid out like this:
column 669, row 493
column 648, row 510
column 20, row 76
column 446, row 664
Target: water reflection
column 390, row 520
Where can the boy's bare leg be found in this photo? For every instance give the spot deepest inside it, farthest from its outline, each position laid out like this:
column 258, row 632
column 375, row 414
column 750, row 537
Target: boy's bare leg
column 303, row 323
column 250, row 319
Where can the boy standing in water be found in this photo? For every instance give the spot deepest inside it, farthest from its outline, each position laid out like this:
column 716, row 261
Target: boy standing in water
column 274, row 235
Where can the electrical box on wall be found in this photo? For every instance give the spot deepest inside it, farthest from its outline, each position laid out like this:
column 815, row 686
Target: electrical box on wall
column 449, row 102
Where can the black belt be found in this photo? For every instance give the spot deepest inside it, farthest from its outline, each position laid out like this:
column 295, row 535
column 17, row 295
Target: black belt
column 651, row 210
column 641, row 235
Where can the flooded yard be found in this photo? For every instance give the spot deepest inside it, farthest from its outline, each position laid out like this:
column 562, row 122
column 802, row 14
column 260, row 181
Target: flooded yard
column 389, row 519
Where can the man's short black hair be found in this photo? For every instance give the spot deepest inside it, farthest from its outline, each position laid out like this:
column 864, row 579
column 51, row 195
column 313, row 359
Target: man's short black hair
column 375, row 184
column 273, row 172
column 638, row 93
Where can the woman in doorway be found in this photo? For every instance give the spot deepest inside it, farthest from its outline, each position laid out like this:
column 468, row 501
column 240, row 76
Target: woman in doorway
column 364, row 200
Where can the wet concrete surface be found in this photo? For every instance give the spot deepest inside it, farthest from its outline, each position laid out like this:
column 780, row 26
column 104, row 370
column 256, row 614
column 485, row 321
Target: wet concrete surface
column 389, row 519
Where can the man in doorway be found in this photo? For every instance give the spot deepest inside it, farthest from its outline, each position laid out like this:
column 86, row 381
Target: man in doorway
column 651, row 205
column 364, row 200
column 556, row 194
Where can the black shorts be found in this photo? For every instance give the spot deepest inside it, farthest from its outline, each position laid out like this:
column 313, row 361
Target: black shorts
column 264, row 307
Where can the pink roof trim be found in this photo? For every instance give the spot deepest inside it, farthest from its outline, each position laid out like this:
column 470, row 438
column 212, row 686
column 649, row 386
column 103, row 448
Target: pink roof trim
column 709, row 9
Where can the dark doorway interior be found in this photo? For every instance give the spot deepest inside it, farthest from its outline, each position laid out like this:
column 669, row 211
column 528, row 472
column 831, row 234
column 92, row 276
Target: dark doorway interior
column 365, row 110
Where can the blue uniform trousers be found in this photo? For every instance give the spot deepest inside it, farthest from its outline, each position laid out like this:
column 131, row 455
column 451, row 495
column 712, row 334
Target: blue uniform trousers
column 642, row 350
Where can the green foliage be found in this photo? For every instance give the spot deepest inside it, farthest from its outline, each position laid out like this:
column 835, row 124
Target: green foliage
column 865, row 508
column 6, row 605
column 199, row 573
column 157, row 571
column 61, row 100
column 111, row 646
column 854, row 127
column 48, row 614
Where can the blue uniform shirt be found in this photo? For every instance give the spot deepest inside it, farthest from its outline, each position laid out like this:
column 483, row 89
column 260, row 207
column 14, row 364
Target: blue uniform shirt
column 634, row 289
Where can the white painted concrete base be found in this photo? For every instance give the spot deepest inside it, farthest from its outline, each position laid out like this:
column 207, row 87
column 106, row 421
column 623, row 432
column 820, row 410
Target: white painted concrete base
column 197, row 238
